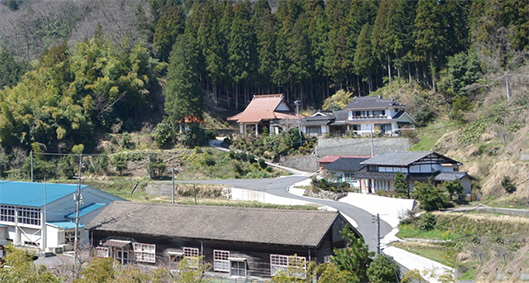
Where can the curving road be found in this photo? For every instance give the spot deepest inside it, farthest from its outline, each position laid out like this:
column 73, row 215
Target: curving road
column 278, row 186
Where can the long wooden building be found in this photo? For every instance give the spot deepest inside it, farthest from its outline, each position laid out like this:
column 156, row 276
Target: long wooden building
column 236, row 241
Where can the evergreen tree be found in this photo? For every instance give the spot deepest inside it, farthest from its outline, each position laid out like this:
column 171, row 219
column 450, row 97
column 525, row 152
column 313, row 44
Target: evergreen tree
column 363, row 61
column 354, row 259
column 10, row 71
column 211, row 45
column 241, row 47
column 400, row 186
column 383, row 269
column 169, row 26
column 383, row 36
column 403, row 27
column 183, row 97
column 264, row 24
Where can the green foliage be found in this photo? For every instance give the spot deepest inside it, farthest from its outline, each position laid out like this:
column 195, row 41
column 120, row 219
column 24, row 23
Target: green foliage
column 21, row 268
column 119, row 161
column 10, row 70
column 429, row 196
column 193, row 135
column 323, row 184
column 273, row 146
column 354, row 259
column 427, row 222
column 183, row 97
column 163, row 135
column 169, row 26
column 460, row 106
column 191, row 270
column 99, row 270
column 400, row 186
column 462, row 70
column 507, row 185
column 454, row 189
column 337, row 101
column 157, row 166
column 383, row 269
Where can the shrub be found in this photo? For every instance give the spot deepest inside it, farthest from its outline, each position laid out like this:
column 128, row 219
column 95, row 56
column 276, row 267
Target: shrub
column 427, row 222
column 429, row 196
column 262, row 163
column 383, row 269
column 507, row 185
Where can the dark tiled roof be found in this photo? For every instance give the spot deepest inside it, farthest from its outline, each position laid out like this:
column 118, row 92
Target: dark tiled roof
column 254, row 225
column 450, row 176
column 341, row 115
column 403, row 158
column 371, row 102
column 346, row 164
column 319, row 118
column 364, row 174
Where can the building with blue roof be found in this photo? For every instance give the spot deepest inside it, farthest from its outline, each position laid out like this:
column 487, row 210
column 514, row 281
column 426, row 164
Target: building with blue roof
column 42, row 215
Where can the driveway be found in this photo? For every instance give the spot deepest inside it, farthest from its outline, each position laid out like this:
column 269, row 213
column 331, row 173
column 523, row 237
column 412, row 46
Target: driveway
column 278, row 186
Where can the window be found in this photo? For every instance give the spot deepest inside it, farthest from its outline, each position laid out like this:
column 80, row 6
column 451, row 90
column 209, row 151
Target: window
column 282, row 262
column 144, row 252
column 314, row 131
column 122, row 256
column 7, row 213
column 103, row 252
column 28, row 215
column 192, row 256
column 238, row 268
column 69, row 237
column 221, row 261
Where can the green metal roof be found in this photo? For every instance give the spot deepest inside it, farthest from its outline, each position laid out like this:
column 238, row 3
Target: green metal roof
column 32, row 194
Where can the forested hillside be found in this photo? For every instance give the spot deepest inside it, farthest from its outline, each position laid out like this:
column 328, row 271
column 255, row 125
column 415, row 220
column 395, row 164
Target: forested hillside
column 73, row 71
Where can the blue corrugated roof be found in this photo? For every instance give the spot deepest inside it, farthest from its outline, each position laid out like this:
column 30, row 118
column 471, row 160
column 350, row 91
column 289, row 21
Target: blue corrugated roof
column 65, row 225
column 32, row 194
column 87, row 209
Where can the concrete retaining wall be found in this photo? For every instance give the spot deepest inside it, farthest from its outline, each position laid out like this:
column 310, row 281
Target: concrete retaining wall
column 344, row 146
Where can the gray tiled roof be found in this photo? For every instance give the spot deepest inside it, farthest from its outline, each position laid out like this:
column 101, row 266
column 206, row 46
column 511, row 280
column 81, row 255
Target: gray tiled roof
column 254, row 225
column 397, row 158
column 371, row 102
column 450, row 176
column 346, row 164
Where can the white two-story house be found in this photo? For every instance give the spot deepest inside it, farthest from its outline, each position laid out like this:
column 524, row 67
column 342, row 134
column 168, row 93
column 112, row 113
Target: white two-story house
column 380, row 116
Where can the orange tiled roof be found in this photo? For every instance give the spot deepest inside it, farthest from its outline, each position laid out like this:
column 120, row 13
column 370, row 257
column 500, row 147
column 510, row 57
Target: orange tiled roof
column 192, row 119
column 332, row 158
column 263, row 107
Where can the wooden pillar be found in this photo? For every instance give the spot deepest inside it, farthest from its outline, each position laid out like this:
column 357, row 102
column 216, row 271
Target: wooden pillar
column 256, row 129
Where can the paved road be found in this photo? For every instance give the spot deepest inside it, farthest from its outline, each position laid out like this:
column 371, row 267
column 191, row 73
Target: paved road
column 278, row 187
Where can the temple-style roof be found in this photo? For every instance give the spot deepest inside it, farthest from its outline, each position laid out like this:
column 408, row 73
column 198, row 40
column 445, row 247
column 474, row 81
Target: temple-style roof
column 263, row 108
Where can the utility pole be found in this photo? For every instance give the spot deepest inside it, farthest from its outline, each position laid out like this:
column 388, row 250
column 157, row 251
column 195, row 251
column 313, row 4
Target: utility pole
column 44, row 232
column 149, row 164
column 378, row 233
column 372, row 145
column 31, row 159
column 297, row 102
column 77, row 198
column 172, row 194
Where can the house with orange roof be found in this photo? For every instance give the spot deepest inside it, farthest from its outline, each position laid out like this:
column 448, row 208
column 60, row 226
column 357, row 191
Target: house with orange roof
column 269, row 111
